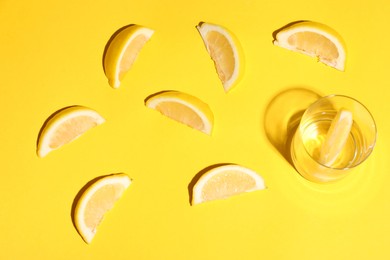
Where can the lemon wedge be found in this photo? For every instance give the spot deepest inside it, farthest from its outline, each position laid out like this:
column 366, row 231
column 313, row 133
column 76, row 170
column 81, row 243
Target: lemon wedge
column 226, row 52
column 64, row 126
column 95, row 201
column 314, row 39
column 224, row 181
column 336, row 137
column 123, row 50
column 183, row 108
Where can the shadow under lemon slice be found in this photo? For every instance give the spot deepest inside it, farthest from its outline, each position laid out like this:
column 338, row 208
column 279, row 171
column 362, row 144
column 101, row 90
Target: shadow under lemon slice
column 183, row 108
column 122, row 51
column 64, row 126
column 313, row 39
column 95, row 200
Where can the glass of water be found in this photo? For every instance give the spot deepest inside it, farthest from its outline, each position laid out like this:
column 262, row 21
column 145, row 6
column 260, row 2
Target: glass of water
column 336, row 133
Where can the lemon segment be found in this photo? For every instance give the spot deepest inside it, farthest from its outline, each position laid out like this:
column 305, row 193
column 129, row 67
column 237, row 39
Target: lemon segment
column 122, row 52
column 314, row 39
column 65, row 126
column 336, row 137
column 226, row 52
column 224, row 181
column 183, row 108
column 96, row 201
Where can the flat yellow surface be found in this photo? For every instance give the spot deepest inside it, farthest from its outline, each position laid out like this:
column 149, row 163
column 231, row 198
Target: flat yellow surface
column 51, row 57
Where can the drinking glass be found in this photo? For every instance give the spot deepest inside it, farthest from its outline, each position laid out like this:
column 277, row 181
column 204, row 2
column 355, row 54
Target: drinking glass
column 311, row 134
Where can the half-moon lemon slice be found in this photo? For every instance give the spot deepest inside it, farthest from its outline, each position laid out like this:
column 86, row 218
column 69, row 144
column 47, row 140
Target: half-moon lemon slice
column 65, row 126
column 123, row 51
column 224, row 181
column 183, row 108
column 226, row 52
column 314, row 39
column 95, row 201
column 336, row 137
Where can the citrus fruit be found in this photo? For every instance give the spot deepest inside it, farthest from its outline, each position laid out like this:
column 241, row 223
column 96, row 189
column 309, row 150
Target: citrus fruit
column 224, row 181
column 336, row 137
column 64, row 126
column 183, row 108
column 123, row 50
column 314, row 39
column 95, row 201
column 226, row 52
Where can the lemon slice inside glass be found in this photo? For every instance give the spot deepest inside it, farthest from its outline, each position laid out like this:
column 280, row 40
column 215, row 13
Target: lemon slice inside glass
column 65, row 126
column 314, row 39
column 95, row 201
column 226, row 52
column 123, row 50
column 224, row 181
column 336, row 137
column 183, row 108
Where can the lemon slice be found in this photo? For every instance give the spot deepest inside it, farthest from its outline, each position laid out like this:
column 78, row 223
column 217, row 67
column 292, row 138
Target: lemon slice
column 224, row 181
column 95, row 201
column 314, row 39
column 64, row 126
column 225, row 50
column 123, row 51
column 183, row 108
column 336, row 137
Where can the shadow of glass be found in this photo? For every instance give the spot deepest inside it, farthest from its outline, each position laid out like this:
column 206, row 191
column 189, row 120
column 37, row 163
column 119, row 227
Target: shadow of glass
column 283, row 115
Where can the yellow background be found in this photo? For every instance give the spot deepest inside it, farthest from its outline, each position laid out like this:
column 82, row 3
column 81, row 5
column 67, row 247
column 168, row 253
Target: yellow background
column 51, row 57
